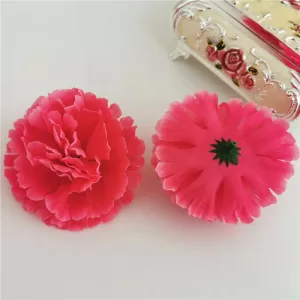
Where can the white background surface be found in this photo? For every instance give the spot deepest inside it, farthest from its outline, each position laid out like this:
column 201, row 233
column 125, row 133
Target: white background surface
column 152, row 250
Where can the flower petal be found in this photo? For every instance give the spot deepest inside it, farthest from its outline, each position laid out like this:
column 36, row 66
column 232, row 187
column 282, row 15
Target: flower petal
column 79, row 205
column 103, row 194
column 36, row 118
column 97, row 145
column 38, row 180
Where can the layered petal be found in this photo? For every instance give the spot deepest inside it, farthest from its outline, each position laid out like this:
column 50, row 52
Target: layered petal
column 72, row 161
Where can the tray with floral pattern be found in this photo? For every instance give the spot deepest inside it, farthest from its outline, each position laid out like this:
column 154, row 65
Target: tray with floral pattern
column 238, row 56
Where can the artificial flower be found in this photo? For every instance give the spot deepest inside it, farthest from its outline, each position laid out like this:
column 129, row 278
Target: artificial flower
column 72, row 161
column 222, row 161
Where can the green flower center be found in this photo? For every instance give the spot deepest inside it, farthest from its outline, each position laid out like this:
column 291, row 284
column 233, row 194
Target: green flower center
column 226, row 151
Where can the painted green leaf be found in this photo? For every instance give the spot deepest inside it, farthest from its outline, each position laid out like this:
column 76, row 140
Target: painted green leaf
column 253, row 70
column 221, row 45
column 235, row 81
column 218, row 66
column 209, row 42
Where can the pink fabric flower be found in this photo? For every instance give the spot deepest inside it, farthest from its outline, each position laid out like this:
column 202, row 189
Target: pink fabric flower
column 211, row 53
column 222, row 162
column 72, row 161
column 233, row 62
column 295, row 3
column 247, row 81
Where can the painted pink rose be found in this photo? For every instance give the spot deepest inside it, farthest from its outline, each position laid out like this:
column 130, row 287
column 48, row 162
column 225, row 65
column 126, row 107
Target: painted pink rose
column 247, row 81
column 233, row 62
column 211, row 53
column 295, row 3
column 220, row 54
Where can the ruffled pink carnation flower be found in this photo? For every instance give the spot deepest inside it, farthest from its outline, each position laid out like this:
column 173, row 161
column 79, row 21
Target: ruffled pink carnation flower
column 222, row 162
column 72, row 160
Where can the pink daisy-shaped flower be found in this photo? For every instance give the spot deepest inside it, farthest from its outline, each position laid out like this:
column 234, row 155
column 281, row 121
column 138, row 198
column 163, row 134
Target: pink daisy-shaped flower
column 72, row 160
column 222, row 162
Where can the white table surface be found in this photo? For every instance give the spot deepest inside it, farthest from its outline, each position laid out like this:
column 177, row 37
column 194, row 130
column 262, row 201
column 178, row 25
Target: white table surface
column 152, row 250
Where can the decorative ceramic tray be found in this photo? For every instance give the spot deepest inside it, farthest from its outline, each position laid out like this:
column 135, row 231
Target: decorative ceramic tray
column 229, row 38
